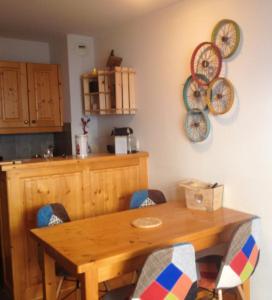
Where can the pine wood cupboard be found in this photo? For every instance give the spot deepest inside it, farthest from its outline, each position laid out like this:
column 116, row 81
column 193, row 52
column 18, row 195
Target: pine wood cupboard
column 30, row 98
column 109, row 92
column 87, row 187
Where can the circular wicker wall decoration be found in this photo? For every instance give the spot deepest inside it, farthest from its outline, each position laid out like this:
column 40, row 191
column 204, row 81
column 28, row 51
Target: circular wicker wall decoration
column 220, row 96
column 194, row 95
column 226, row 36
column 197, row 125
column 206, row 63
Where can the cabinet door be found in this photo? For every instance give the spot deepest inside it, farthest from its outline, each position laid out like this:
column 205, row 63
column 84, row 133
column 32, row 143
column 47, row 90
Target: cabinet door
column 44, row 97
column 13, row 95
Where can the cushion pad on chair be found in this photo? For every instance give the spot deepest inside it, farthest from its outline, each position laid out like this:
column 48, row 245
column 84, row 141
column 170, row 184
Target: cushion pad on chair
column 148, row 197
column 208, row 268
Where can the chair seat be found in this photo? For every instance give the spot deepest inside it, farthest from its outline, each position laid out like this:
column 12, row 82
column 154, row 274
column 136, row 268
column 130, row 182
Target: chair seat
column 123, row 293
column 208, row 268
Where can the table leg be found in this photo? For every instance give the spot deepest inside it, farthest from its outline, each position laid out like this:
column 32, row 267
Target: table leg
column 49, row 277
column 89, row 285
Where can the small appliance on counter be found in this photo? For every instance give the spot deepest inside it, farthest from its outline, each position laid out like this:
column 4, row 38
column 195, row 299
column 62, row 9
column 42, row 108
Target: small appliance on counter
column 124, row 141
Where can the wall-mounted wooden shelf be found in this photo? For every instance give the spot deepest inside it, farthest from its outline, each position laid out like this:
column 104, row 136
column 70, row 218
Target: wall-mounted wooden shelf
column 109, row 92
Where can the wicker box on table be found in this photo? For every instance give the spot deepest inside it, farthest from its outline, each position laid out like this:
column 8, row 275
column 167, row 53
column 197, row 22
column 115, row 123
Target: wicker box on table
column 201, row 195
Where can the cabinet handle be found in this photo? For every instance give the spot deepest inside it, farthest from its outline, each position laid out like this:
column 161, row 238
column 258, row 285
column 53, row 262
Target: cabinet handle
column 33, row 121
column 26, row 121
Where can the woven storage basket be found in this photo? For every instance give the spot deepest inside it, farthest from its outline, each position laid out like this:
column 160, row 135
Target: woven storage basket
column 201, row 195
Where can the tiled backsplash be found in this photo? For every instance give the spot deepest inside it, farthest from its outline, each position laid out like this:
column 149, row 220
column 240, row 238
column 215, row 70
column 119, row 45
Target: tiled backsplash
column 20, row 146
column 23, row 146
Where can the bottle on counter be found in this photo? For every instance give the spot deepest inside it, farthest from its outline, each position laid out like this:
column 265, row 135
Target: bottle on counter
column 129, row 143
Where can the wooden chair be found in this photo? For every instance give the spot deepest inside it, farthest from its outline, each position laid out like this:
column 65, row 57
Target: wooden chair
column 168, row 273
column 147, row 197
column 238, row 264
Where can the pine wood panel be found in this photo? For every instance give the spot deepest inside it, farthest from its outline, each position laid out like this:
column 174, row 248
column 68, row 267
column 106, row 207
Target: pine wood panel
column 118, row 91
column 4, row 231
column 96, row 185
column 108, row 245
column 113, row 184
column 125, row 90
column 44, row 97
column 13, row 95
column 101, row 88
column 132, row 99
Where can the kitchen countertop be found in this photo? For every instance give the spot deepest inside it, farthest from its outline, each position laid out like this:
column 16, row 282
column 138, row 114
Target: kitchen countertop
column 41, row 162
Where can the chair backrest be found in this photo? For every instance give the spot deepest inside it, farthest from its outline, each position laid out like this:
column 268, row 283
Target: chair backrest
column 143, row 198
column 52, row 214
column 242, row 256
column 169, row 273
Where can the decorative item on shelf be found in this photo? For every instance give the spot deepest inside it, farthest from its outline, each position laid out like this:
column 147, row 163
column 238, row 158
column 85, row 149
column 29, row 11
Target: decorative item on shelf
column 220, row 96
column 206, row 63
column 114, row 61
column 201, row 195
column 194, row 95
column 84, row 124
column 226, row 36
column 204, row 88
column 197, row 125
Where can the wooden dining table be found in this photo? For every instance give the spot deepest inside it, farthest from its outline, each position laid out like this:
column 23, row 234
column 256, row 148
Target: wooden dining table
column 103, row 247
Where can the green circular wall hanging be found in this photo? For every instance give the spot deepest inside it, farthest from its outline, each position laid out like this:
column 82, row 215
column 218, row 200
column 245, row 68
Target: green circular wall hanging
column 194, row 95
column 197, row 125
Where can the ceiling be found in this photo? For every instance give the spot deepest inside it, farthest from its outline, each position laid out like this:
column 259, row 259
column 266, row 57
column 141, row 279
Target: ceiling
column 43, row 19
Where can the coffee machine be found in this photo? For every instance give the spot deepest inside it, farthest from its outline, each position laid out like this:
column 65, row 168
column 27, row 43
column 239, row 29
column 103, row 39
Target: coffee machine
column 124, row 141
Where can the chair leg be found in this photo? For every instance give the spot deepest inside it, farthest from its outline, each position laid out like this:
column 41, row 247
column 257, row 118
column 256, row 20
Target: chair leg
column 59, row 286
column 220, row 295
column 78, row 294
column 241, row 292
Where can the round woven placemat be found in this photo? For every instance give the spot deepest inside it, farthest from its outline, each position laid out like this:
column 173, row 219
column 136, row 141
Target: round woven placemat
column 146, row 222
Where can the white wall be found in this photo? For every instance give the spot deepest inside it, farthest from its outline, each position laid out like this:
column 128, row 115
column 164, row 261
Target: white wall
column 23, row 50
column 238, row 152
column 79, row 64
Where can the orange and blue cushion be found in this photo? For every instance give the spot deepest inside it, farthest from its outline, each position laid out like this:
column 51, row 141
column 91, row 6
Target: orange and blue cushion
column 168, row 274
column 144, row 198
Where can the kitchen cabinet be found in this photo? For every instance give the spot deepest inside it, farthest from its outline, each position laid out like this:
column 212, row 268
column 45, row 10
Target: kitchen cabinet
column 43, row 95
column 13, row 95
column 30, row 98
column 109, row 92
column 88, row 187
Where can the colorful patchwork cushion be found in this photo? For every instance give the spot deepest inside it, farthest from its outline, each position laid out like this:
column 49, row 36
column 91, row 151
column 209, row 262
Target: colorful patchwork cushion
column 242, row 257
column 52, row 214
column 144, row 198
column 168, row 274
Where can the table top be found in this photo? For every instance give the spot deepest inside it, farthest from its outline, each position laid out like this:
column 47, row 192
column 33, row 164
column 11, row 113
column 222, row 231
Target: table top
column 108, row 238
